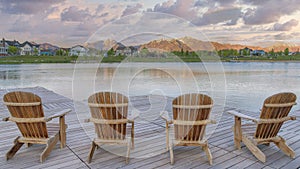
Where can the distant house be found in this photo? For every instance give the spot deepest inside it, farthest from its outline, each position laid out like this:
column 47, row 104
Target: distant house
column 134, row 50
column 28, row 48
column 64, row 51
column 292, row 53
column 3, row 48
column 13, row 43
column 245, row 51
column 78, row 50
column 48, row 49
column 4, row 45
column 124, row 50
column 45, row 52
column 258, row 53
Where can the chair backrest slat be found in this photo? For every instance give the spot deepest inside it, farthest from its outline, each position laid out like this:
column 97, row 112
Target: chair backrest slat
column 28, row 106
column 189, row 108
column 109, row 106
column 275, row 107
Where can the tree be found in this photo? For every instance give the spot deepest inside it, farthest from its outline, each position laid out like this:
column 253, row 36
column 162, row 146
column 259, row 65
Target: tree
column 279, row 53
column 245, row 52
column 144, row 52
column 35, row 51
column 186, row 53
column 181, row 51
column 111, row 52
column 12, row 50
column 272, row 53
column 286, row 51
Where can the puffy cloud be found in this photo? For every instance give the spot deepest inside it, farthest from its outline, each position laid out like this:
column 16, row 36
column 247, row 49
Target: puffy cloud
column 283, row 36
column 287, row 26
column 202, row 12
column 27, row 7
column 100, row 8
column 214, row 3
column 255, row 2
column 181, row 8
column 69, row 23
column 268, row 11
column 132, row 9
column 230, row 15
column 75, row 14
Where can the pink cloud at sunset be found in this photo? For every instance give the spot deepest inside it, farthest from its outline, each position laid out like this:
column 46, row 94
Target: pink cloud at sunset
column 70, row 22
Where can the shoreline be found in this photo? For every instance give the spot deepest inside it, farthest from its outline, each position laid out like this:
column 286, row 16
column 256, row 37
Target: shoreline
column 231, row 61
column 14, row 60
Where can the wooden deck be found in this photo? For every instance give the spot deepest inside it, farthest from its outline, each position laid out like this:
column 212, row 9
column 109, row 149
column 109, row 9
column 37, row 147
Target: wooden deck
column 149, row 150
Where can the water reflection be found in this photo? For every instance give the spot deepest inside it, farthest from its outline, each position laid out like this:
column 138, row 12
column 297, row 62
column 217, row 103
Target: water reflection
column 247, row 84
column 10, row 75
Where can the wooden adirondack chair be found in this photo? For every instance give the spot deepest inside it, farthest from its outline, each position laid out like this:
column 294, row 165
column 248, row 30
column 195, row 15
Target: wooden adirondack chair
column 274, row 112
column 109, row 114
column 27, row 111
column 190, row 116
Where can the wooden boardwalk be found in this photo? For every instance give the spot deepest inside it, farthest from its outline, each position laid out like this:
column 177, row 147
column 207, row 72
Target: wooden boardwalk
column 149, row 150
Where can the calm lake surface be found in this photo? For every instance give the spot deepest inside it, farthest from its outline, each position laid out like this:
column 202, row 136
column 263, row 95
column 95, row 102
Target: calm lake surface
column 236, row 85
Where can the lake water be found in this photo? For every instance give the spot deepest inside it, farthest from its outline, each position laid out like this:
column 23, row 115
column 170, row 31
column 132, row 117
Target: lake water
column 237, row 85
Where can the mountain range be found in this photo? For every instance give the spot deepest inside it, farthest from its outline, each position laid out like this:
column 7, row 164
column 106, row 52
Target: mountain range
column 189, row 44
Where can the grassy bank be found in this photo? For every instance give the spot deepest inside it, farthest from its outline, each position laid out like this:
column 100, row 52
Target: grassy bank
column 112, row 59
column 85, row 59
column 292, row 58
column 37, row 59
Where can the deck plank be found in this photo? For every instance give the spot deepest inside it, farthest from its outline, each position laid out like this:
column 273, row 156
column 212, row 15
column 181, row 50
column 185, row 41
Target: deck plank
column 150, row 145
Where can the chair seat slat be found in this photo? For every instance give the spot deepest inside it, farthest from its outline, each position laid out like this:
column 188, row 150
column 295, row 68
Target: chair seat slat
column 102, row 121
column 191, row 123
column 193, row 106
column 107, row 105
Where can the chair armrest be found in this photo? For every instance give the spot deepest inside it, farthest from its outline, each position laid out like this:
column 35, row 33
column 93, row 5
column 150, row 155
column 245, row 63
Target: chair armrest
column 243, row 116
column 164, row 115
column 134, row 115
column 58, row 114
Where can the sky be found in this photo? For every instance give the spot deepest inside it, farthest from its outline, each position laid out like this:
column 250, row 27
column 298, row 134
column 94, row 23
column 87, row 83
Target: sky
column 70, row 22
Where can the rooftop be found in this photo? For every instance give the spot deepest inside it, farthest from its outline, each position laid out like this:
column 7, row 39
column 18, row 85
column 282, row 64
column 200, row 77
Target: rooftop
column 149, row 149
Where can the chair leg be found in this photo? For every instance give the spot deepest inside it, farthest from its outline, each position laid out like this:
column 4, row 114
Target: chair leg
column 167, row 136
column 254, row 150
column 50, row 145
column 91, row 153
column 62, row 132
column 171, row 154
column 237, row 132
column 14, row 149
column 132, row 135
column 208, row 153
column 285, row 148
column 128, row 153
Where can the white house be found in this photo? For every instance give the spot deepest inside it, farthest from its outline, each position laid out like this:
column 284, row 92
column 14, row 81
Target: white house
column 3, row 48
column 258, row 52
column 28, row 48
column 78, row 50
column 127, row 51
